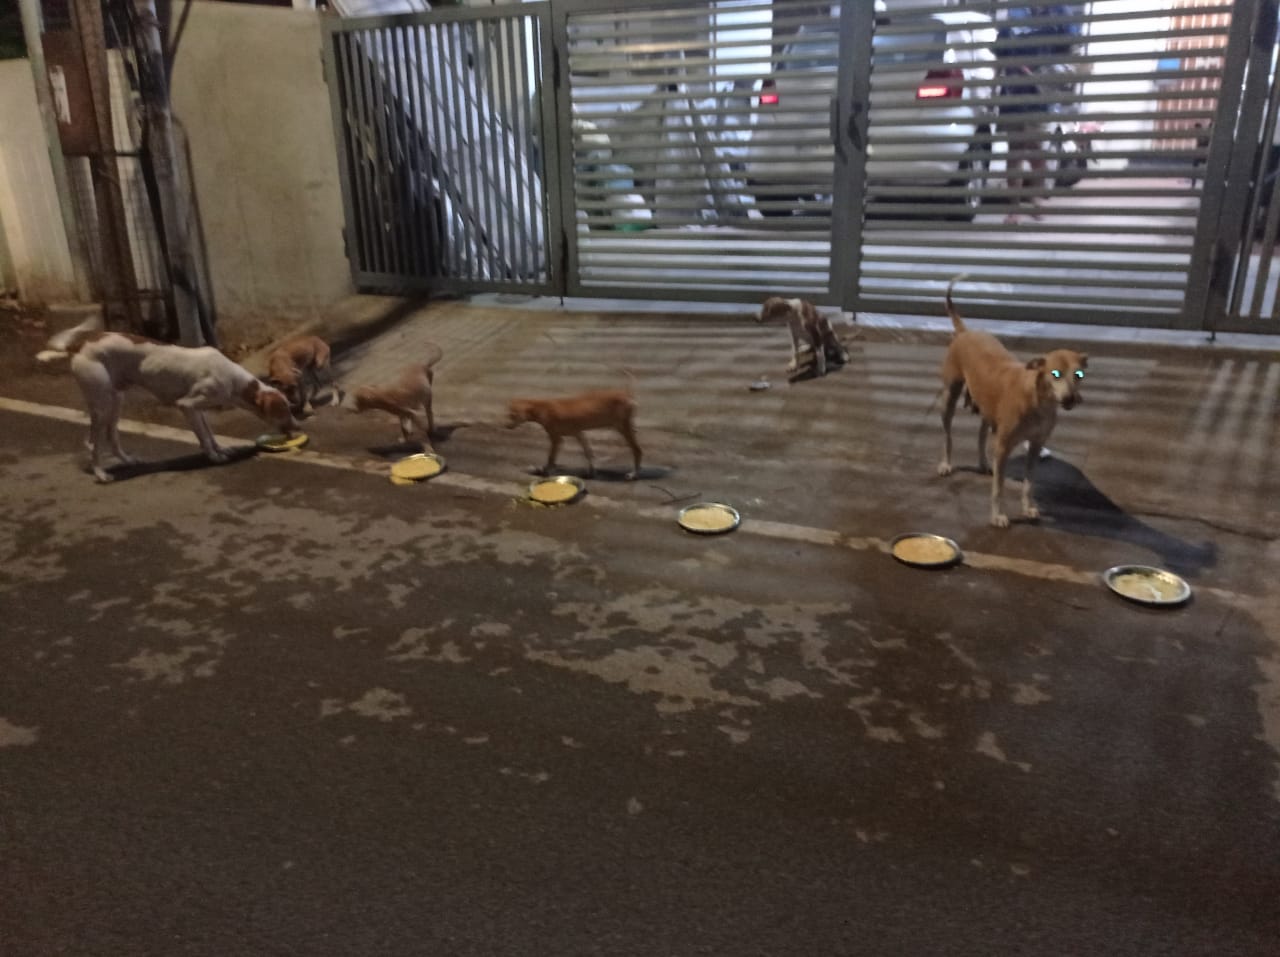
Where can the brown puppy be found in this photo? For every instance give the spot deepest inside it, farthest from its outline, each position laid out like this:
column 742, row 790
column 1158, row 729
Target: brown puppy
column 408, row 398
column 297, row 366
column 810, row 330
column 574, row 415
column 1019, row 402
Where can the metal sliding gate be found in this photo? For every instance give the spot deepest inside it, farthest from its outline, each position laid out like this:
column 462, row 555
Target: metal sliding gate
column 1083, row 162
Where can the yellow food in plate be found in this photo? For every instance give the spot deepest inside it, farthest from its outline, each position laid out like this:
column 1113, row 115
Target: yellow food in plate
column 1144, row 586
column 553, row 492
column 397, row 480
column 923, row 551
column 417, row 467
column 708, row 518
column 281, row 443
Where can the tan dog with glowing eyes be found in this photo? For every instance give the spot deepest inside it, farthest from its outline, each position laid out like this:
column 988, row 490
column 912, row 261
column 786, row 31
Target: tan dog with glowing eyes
column 1017, row 402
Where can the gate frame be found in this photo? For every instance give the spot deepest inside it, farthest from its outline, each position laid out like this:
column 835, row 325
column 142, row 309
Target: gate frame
column 1242, row 98
column 1216, row 243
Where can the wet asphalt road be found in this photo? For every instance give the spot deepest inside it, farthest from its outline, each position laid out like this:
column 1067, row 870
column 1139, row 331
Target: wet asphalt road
column 271, row 708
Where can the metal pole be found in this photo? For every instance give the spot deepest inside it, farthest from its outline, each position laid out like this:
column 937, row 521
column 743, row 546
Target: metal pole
column 83, row 275
column 119, row 279
column 154, row 89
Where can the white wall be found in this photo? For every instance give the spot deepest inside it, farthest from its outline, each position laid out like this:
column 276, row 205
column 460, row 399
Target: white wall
column 248, row 87
column 39, row 258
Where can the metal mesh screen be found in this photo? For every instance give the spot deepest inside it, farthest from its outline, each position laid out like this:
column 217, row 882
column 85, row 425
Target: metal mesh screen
column 685, row 179
column 1091, row 122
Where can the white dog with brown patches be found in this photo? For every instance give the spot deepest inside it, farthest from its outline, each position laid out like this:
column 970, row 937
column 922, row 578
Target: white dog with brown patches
column 810, row 331
column 195, row 380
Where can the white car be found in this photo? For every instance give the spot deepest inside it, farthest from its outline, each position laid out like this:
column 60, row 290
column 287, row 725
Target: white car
column 926, row 129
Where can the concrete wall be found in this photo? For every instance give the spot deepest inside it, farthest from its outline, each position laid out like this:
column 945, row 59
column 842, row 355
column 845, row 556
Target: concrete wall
column 248, row 86
column 38, row 258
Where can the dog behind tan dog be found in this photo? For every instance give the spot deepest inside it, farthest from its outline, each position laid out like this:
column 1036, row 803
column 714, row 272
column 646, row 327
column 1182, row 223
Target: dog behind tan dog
column 298, row 366
column 810, row 330
column 408, row 398
column 1017, row 402
column 576, row 414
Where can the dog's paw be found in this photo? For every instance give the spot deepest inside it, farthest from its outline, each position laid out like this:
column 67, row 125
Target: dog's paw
column 944, row 469
column 1031, row 513
column 102, row 476
column 217, row 455
column 1000, row 520
column 631, row 476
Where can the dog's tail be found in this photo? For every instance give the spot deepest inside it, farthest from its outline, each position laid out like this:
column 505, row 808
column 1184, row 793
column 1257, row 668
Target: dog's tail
column 61, row 345
column 631, row 379
column 434, row 355
column 956, row 322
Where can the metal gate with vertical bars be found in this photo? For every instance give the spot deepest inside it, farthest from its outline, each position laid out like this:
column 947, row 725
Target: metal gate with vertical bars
column 1077, row 161
column 437, row 118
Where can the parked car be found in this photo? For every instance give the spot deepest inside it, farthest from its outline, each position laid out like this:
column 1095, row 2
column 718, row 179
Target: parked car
column 786, row 168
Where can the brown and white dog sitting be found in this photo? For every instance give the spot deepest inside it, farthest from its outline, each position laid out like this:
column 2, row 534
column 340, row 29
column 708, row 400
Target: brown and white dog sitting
column 810, row 330
column 298, row 367
column 195, row 380
column 576, row 414
column 408, row 398
column 1017, row 401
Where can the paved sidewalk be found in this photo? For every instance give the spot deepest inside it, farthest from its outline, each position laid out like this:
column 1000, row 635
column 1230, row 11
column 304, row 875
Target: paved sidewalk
column 1167, row 429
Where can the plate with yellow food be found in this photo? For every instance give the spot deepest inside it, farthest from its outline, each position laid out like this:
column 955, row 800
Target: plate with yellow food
column 925, row 550
column 416, row 468
column 557, row 490
column 1147, row 585
column 278, row 442
column 709, row 518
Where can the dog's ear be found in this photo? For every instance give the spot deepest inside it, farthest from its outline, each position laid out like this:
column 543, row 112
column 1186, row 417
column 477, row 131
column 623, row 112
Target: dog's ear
column 1037, row 364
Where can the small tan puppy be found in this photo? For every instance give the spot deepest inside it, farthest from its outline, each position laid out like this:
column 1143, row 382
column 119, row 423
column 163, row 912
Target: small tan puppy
column 574, row 415
column 408, row 398
column 298, row 366
column 810, row 330
column 1018, row 402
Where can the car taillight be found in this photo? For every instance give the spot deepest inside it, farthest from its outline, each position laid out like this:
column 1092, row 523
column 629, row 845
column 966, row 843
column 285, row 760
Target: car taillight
column 940, row 85
column 768, row 93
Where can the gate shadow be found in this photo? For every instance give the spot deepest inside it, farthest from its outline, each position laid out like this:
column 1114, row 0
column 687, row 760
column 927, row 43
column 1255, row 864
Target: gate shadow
column 1069, row 501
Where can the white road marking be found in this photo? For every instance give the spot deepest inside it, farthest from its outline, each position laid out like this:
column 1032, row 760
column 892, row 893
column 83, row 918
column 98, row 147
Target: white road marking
column 783, row 531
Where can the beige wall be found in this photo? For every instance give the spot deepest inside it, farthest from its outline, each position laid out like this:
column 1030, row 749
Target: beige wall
column 248, row 86
column 38, row 258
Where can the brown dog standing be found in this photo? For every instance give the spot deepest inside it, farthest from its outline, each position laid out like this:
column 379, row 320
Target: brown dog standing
column 809, row 328
column 408, row 398
column 296, row 367
column 574, row 415
column 1018, row 402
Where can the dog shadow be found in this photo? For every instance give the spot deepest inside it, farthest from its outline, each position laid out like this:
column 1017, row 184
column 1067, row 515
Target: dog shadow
column 646, row 473
column 1069, row 501
column 395, row 450
column 810, row 371
column 192, row 462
